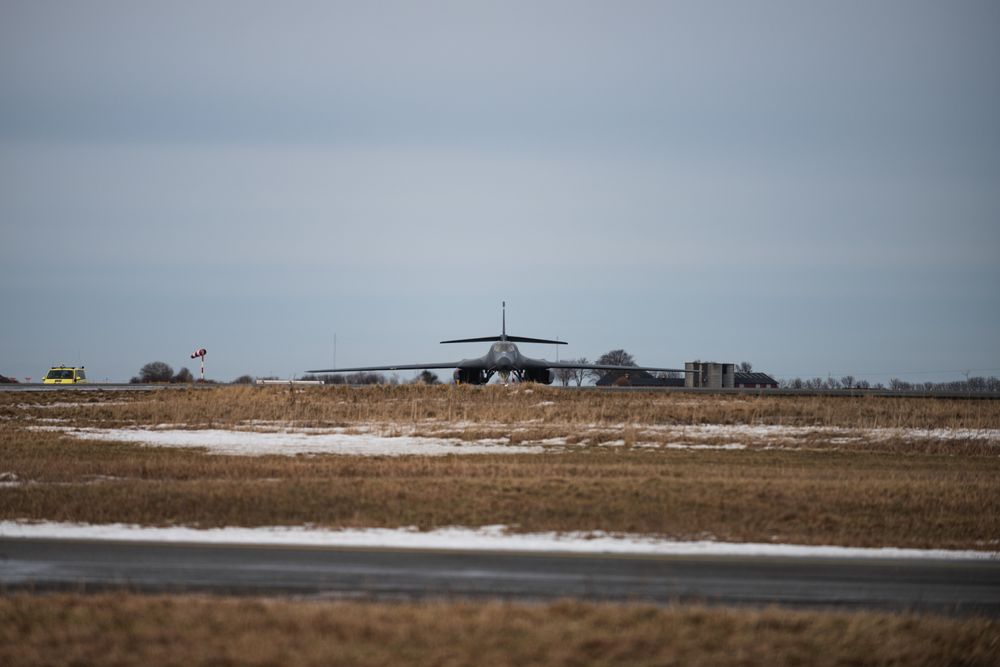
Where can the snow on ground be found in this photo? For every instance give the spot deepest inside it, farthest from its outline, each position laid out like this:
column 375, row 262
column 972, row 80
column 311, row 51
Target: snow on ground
column 67, row 404
column 9, row 480
column 771, row 432
column 487, row 538
column 290, row 443
column 436, row 439
column 681, row 445
column 736, row 433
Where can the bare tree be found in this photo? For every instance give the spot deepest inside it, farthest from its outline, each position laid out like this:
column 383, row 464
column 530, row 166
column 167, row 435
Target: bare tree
column 816, row 383
column 847, row 381
column 567, row 375
column 155, row 371
column 580, row 374
column 616, row 358
column 744, row 367
column 365, row 377
column 564, row 375
column 613, row 358
column 898, row 385
column 243, row 379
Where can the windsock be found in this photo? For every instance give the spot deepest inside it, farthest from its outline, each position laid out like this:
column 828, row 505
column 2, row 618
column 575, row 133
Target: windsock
column 201, row 352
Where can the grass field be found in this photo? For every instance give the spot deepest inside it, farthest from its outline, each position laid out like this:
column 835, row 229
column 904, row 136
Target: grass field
column 492, row 405
column 842, row 471
column 120, row 629
column 941, row 490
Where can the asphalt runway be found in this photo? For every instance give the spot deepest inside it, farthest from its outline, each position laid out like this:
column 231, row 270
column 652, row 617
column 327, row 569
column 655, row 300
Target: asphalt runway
column 952, row 587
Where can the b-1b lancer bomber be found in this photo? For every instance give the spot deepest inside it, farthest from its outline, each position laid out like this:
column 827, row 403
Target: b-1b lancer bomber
column 504, row 359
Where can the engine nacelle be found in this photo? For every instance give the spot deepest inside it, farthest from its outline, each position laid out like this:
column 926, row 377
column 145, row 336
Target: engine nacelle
column 469, row 376
column 540, row 375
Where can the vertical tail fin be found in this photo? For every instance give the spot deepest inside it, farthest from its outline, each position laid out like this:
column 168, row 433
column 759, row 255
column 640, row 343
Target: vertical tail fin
column 503, row 335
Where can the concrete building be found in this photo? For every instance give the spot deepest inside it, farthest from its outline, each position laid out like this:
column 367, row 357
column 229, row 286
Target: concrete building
column 709, row 374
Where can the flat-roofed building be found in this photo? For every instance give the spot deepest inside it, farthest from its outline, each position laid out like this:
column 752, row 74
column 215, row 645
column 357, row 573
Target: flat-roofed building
column 709, row 375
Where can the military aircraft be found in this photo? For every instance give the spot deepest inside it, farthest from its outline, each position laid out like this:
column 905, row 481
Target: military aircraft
column 504, row 359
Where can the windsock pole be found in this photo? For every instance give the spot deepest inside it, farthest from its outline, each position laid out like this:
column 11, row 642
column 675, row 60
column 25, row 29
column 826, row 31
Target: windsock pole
column 200, row 353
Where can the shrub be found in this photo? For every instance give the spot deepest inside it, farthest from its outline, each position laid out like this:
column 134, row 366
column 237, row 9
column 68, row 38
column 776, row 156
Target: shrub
column 183, row 375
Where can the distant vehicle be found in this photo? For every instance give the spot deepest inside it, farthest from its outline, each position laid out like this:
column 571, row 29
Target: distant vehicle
column 65, row 375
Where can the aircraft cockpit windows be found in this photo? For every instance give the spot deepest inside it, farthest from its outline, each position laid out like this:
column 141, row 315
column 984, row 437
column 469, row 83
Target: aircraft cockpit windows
column 503, row 347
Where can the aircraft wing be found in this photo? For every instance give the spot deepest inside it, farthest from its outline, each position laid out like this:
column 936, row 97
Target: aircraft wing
column 513, row 339
column 400, row 367
column 606, row 367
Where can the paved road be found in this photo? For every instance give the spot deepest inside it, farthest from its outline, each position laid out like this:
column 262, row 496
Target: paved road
column 944, row 586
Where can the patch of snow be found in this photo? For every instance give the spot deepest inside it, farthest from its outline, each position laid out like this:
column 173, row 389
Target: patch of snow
column 442, row 438
column 486, row 538
column 838, row 434
column 756, row 433
column 68, row 404
column 731, row 445
column 250, row 443
column 942, row 433
column 9, row 480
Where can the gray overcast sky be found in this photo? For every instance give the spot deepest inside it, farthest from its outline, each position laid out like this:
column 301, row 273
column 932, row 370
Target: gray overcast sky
column 811, row 186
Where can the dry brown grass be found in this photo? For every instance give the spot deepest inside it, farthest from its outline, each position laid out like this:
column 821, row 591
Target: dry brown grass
column 928, row 493
column 536, row 404
column 120, row 629
column 805, row 496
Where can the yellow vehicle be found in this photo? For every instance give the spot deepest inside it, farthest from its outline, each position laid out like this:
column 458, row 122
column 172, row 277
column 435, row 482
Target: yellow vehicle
column 65, row 375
